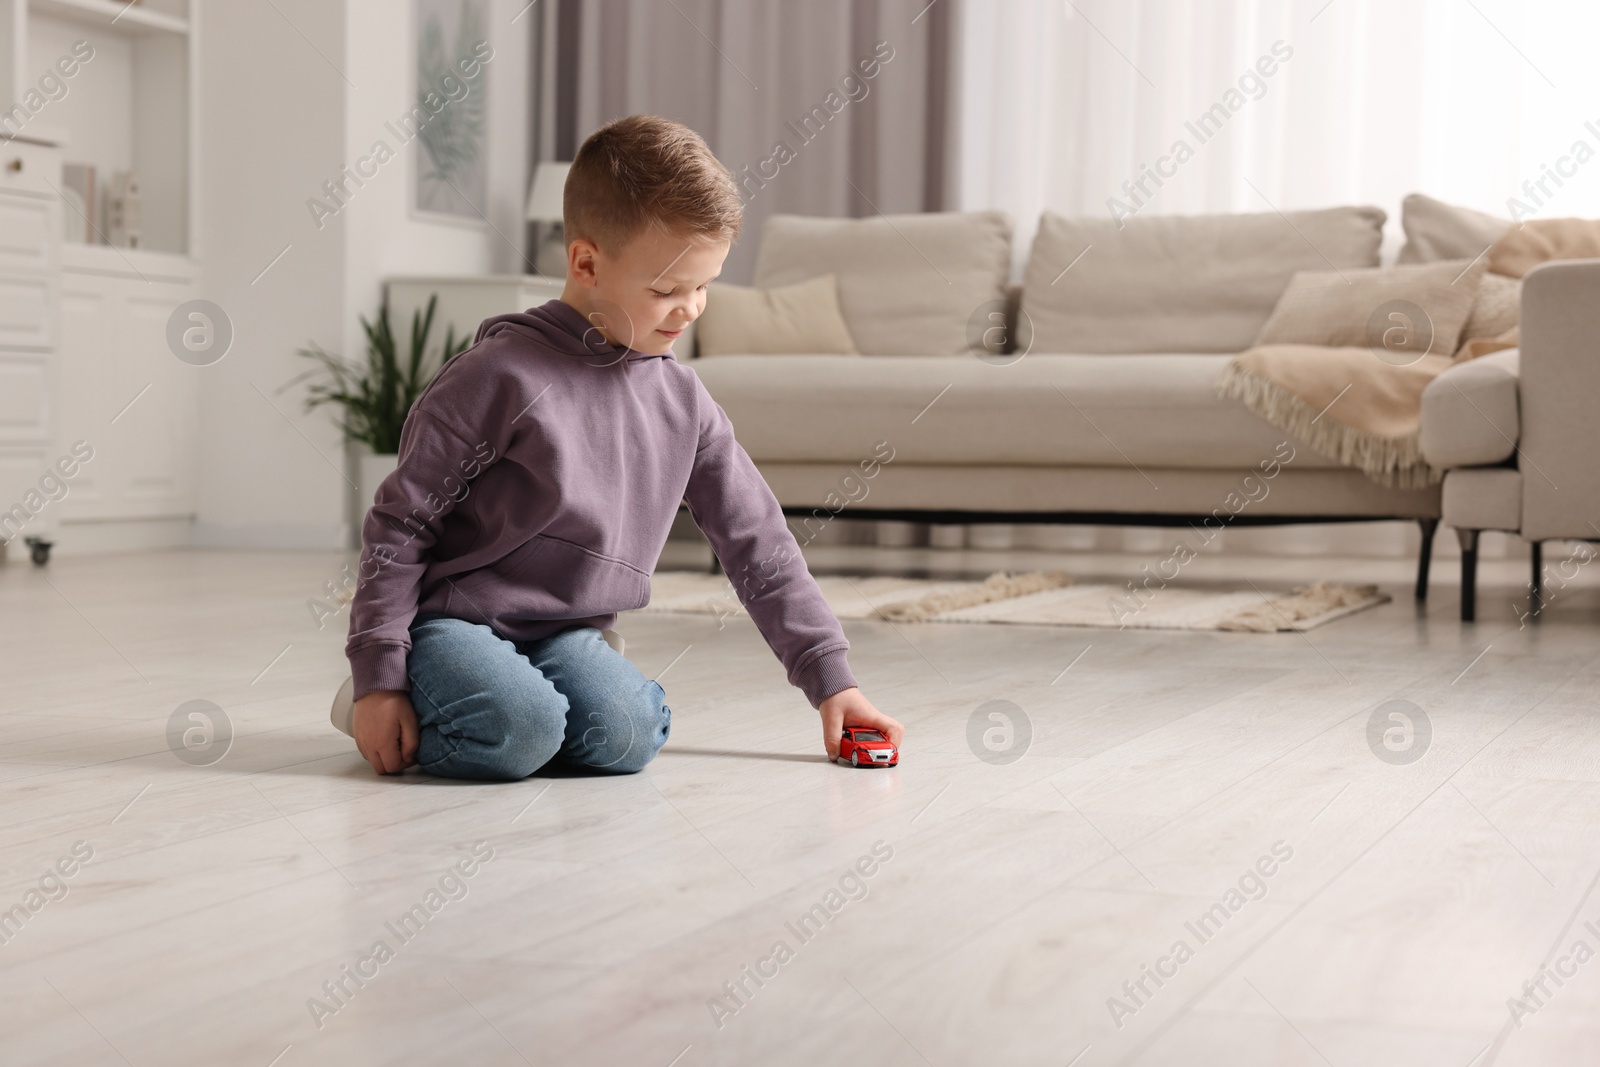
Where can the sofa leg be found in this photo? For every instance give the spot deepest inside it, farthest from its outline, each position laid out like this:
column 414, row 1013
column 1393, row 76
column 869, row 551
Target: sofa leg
column 1536, row 587
column 1469, row 573
column 1425, row 555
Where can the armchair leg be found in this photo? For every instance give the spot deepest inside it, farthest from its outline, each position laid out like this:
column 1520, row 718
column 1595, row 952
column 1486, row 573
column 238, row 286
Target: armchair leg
column 1425, row 555
column 1536, row 587
column 1469, row 573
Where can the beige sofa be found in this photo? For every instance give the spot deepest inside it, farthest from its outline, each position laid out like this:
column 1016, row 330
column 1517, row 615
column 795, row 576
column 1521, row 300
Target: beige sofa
column 1093, row 402
column 1516, row 431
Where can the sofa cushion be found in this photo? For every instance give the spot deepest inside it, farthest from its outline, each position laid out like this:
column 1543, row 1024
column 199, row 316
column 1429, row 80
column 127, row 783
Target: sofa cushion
column 1495, row 309
column 1361, row 308
column 803, row 317
column 908, row 284
column 1178, row 283
column 1089, row 410
column 1469, row 413
column 1542, row 240
column 1437, row 230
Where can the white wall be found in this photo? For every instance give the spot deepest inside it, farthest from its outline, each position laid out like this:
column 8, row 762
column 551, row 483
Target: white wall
column 383, row 236
column 281, row 113
column 271, row 130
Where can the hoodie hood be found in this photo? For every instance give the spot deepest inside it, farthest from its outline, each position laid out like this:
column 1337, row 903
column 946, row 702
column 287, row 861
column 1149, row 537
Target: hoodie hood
column 560, row 327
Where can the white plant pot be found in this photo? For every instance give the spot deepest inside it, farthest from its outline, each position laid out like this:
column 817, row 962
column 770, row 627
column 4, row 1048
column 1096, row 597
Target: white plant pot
column 374, row 469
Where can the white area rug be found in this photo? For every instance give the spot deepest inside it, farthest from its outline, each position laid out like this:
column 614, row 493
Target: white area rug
column 1040, row 598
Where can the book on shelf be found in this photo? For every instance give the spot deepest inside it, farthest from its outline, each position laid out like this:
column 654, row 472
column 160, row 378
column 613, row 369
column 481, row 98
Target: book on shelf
column 78, row 190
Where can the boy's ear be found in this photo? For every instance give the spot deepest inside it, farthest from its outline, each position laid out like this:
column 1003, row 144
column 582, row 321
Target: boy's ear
column 582, row 265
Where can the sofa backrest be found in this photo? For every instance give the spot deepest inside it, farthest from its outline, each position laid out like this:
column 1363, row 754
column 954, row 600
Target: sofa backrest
column 908, row 284
column 1558, row 391
column 1178, row 283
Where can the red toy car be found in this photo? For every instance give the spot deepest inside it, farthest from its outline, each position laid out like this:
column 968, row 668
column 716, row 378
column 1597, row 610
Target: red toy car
column 866, row 748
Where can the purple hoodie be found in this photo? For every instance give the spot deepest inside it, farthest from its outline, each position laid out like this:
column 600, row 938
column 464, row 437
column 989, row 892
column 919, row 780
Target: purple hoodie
column 539, row 473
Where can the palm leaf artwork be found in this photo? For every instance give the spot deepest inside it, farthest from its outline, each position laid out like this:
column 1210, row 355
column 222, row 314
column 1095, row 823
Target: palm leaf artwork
column 450, row 172
column 377, row 397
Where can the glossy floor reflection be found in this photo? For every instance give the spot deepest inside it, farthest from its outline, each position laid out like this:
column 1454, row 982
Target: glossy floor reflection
column 742, row 901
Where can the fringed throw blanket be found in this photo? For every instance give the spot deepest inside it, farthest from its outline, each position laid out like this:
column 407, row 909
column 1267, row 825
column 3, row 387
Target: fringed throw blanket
column 1349, row 404
column 1342, row 402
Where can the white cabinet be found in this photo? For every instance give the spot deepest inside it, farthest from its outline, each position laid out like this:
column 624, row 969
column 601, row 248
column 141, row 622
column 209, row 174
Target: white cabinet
column 30, row 244
column 112, row 81
column 83, row 349
column 125, row 393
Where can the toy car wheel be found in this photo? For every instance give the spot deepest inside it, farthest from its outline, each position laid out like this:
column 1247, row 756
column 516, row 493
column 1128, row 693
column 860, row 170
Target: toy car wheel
column 855, row 759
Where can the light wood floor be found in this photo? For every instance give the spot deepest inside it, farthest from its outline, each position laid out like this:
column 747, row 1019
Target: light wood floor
column 1016, row 900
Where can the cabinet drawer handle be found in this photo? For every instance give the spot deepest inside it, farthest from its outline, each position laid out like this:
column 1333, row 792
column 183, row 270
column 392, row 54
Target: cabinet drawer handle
column 15, row 166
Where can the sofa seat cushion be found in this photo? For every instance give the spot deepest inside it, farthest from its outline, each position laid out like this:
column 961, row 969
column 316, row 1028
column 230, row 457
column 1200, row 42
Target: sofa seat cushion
column 1081, row 410
column 1469, row 413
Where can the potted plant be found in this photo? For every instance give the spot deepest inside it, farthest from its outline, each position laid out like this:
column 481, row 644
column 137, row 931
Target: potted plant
column 377, row 396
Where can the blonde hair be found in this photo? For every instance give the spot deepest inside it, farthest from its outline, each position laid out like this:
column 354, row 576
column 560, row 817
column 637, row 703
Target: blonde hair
column 645, row 170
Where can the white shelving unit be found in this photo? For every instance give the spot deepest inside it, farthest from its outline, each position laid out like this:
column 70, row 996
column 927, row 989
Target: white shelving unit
column 106, row 375
column 129, row 106
column 30, row 278
column 100, row 14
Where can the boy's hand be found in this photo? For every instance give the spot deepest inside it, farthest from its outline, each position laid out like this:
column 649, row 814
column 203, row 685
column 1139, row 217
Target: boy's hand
column 848, row 707
column 385, row 726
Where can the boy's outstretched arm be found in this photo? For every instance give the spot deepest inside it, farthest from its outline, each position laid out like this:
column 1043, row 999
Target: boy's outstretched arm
column 735, row 509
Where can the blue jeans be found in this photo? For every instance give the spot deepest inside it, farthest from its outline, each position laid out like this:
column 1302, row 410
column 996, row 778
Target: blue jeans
column 490, row 708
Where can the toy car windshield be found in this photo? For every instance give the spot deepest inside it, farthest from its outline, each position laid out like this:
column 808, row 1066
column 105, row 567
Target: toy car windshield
column 868, row 735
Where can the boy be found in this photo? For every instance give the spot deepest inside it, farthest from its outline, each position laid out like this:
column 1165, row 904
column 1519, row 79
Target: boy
column 538, row 476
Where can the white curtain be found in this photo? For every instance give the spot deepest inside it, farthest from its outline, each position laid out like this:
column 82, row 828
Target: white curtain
column 1465, row 100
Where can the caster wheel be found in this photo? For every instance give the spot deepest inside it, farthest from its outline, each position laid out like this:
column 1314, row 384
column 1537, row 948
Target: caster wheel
column 39, row 550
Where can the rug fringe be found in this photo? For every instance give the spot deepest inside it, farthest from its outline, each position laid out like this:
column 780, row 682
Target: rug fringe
column 1045, row 599
column 1281, row 613
column 1395, row 462
column 998, row 586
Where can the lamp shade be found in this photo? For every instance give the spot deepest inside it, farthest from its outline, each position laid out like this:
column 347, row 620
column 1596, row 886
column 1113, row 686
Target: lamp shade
column 544, row 196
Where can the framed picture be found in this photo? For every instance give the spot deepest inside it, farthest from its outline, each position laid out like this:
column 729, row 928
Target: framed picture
column 450, row 110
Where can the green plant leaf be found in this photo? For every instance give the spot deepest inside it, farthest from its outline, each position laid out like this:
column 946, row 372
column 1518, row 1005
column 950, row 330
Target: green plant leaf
column 375, row 398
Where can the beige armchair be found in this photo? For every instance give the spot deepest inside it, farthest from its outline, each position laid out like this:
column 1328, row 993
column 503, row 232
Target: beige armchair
column 1518, row 432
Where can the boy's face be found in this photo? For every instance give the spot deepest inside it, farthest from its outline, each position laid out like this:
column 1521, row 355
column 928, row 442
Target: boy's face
column 644, row 294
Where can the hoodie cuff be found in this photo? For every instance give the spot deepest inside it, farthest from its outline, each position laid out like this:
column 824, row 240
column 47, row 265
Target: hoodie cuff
column 377, row 667
column 825, row 676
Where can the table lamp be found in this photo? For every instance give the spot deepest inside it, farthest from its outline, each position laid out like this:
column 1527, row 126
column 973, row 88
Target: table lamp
column 544, row 206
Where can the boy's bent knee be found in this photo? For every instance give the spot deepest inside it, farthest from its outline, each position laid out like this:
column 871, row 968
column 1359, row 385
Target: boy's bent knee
column 619, row 735
column 501, row 737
